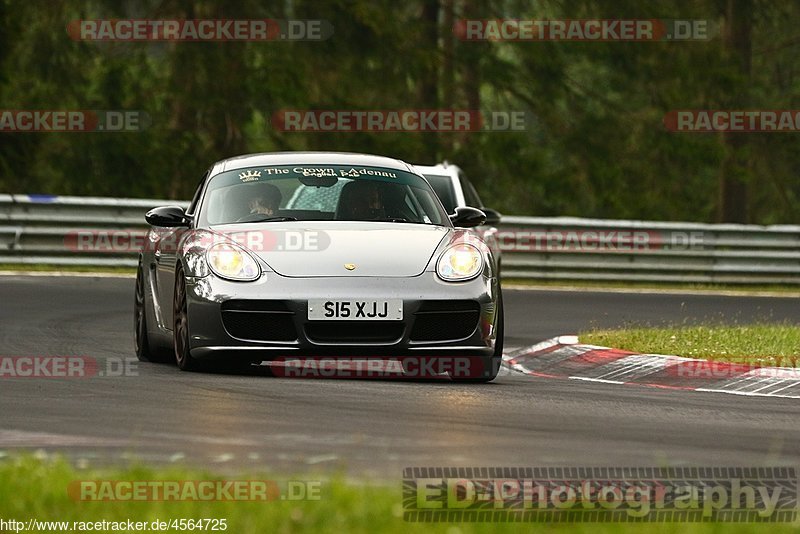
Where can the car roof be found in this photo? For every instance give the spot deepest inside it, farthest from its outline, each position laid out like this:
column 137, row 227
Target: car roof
column 310, row 158
column 441, row 169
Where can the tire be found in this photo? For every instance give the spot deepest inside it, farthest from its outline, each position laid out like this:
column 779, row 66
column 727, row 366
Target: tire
column 490, row 364
column 145, row 350
column 180, row 326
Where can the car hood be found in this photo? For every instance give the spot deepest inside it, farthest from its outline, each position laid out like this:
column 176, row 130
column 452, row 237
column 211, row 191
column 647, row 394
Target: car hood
column 324, row 248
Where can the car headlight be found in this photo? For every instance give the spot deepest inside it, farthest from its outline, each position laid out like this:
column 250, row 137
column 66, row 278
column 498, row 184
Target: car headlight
column 460, row 262
column 232, row 262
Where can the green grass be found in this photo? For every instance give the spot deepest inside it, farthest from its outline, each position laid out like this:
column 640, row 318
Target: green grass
column 31, row 488
column 40, row 268
column 763, row 344
column 779, row 290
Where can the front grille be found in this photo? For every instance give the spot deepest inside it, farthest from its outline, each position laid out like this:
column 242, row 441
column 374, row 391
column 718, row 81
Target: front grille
column 259, row 320
column 355, row 331
column 445, row 320
column 274, row 306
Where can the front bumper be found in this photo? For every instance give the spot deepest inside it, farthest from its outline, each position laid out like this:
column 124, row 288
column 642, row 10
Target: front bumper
column 285, row 300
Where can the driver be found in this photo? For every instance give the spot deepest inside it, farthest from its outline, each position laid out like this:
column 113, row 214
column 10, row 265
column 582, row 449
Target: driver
column 265, row 200
column 362, row 201
column 248, row 200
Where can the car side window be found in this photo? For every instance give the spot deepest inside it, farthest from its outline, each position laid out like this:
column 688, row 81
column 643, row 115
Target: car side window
column 470, row 195
column 197, row 194
column 444, row 189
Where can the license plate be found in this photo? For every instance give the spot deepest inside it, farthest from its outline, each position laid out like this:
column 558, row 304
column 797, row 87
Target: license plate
column 355, row 310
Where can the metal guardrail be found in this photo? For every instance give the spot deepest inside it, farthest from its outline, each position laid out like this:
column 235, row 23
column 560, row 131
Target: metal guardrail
column 36, row 229
column 41, row 230
column 649, row 251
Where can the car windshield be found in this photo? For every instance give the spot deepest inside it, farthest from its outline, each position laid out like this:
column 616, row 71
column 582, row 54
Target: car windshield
column 317, row 193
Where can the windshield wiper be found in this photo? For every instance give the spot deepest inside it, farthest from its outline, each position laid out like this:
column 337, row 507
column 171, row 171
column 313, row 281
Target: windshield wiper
column 391, row 219
column 271, row 219
column 400, row 220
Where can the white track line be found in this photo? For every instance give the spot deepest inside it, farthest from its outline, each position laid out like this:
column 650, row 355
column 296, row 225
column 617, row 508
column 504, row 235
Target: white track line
column 749, row 394
column 601, row 380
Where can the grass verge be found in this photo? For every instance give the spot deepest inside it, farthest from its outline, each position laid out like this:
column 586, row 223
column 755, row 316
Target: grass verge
column 778, row 290
column 31, row 488
column 39, row 268
column 761, row 344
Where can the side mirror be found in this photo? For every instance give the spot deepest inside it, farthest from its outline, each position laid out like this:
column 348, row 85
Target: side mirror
column 492, row 216
column 466, row 217
column 167, row 216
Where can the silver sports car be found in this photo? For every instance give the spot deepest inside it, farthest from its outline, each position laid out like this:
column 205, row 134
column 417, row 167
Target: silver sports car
column 310, row 255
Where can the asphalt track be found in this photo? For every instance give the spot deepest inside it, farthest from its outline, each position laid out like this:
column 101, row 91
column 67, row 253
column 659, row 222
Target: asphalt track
column 374, row 428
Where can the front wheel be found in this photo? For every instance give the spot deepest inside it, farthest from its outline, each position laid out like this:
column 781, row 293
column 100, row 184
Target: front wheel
column 145, row 350
column 180, row 326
